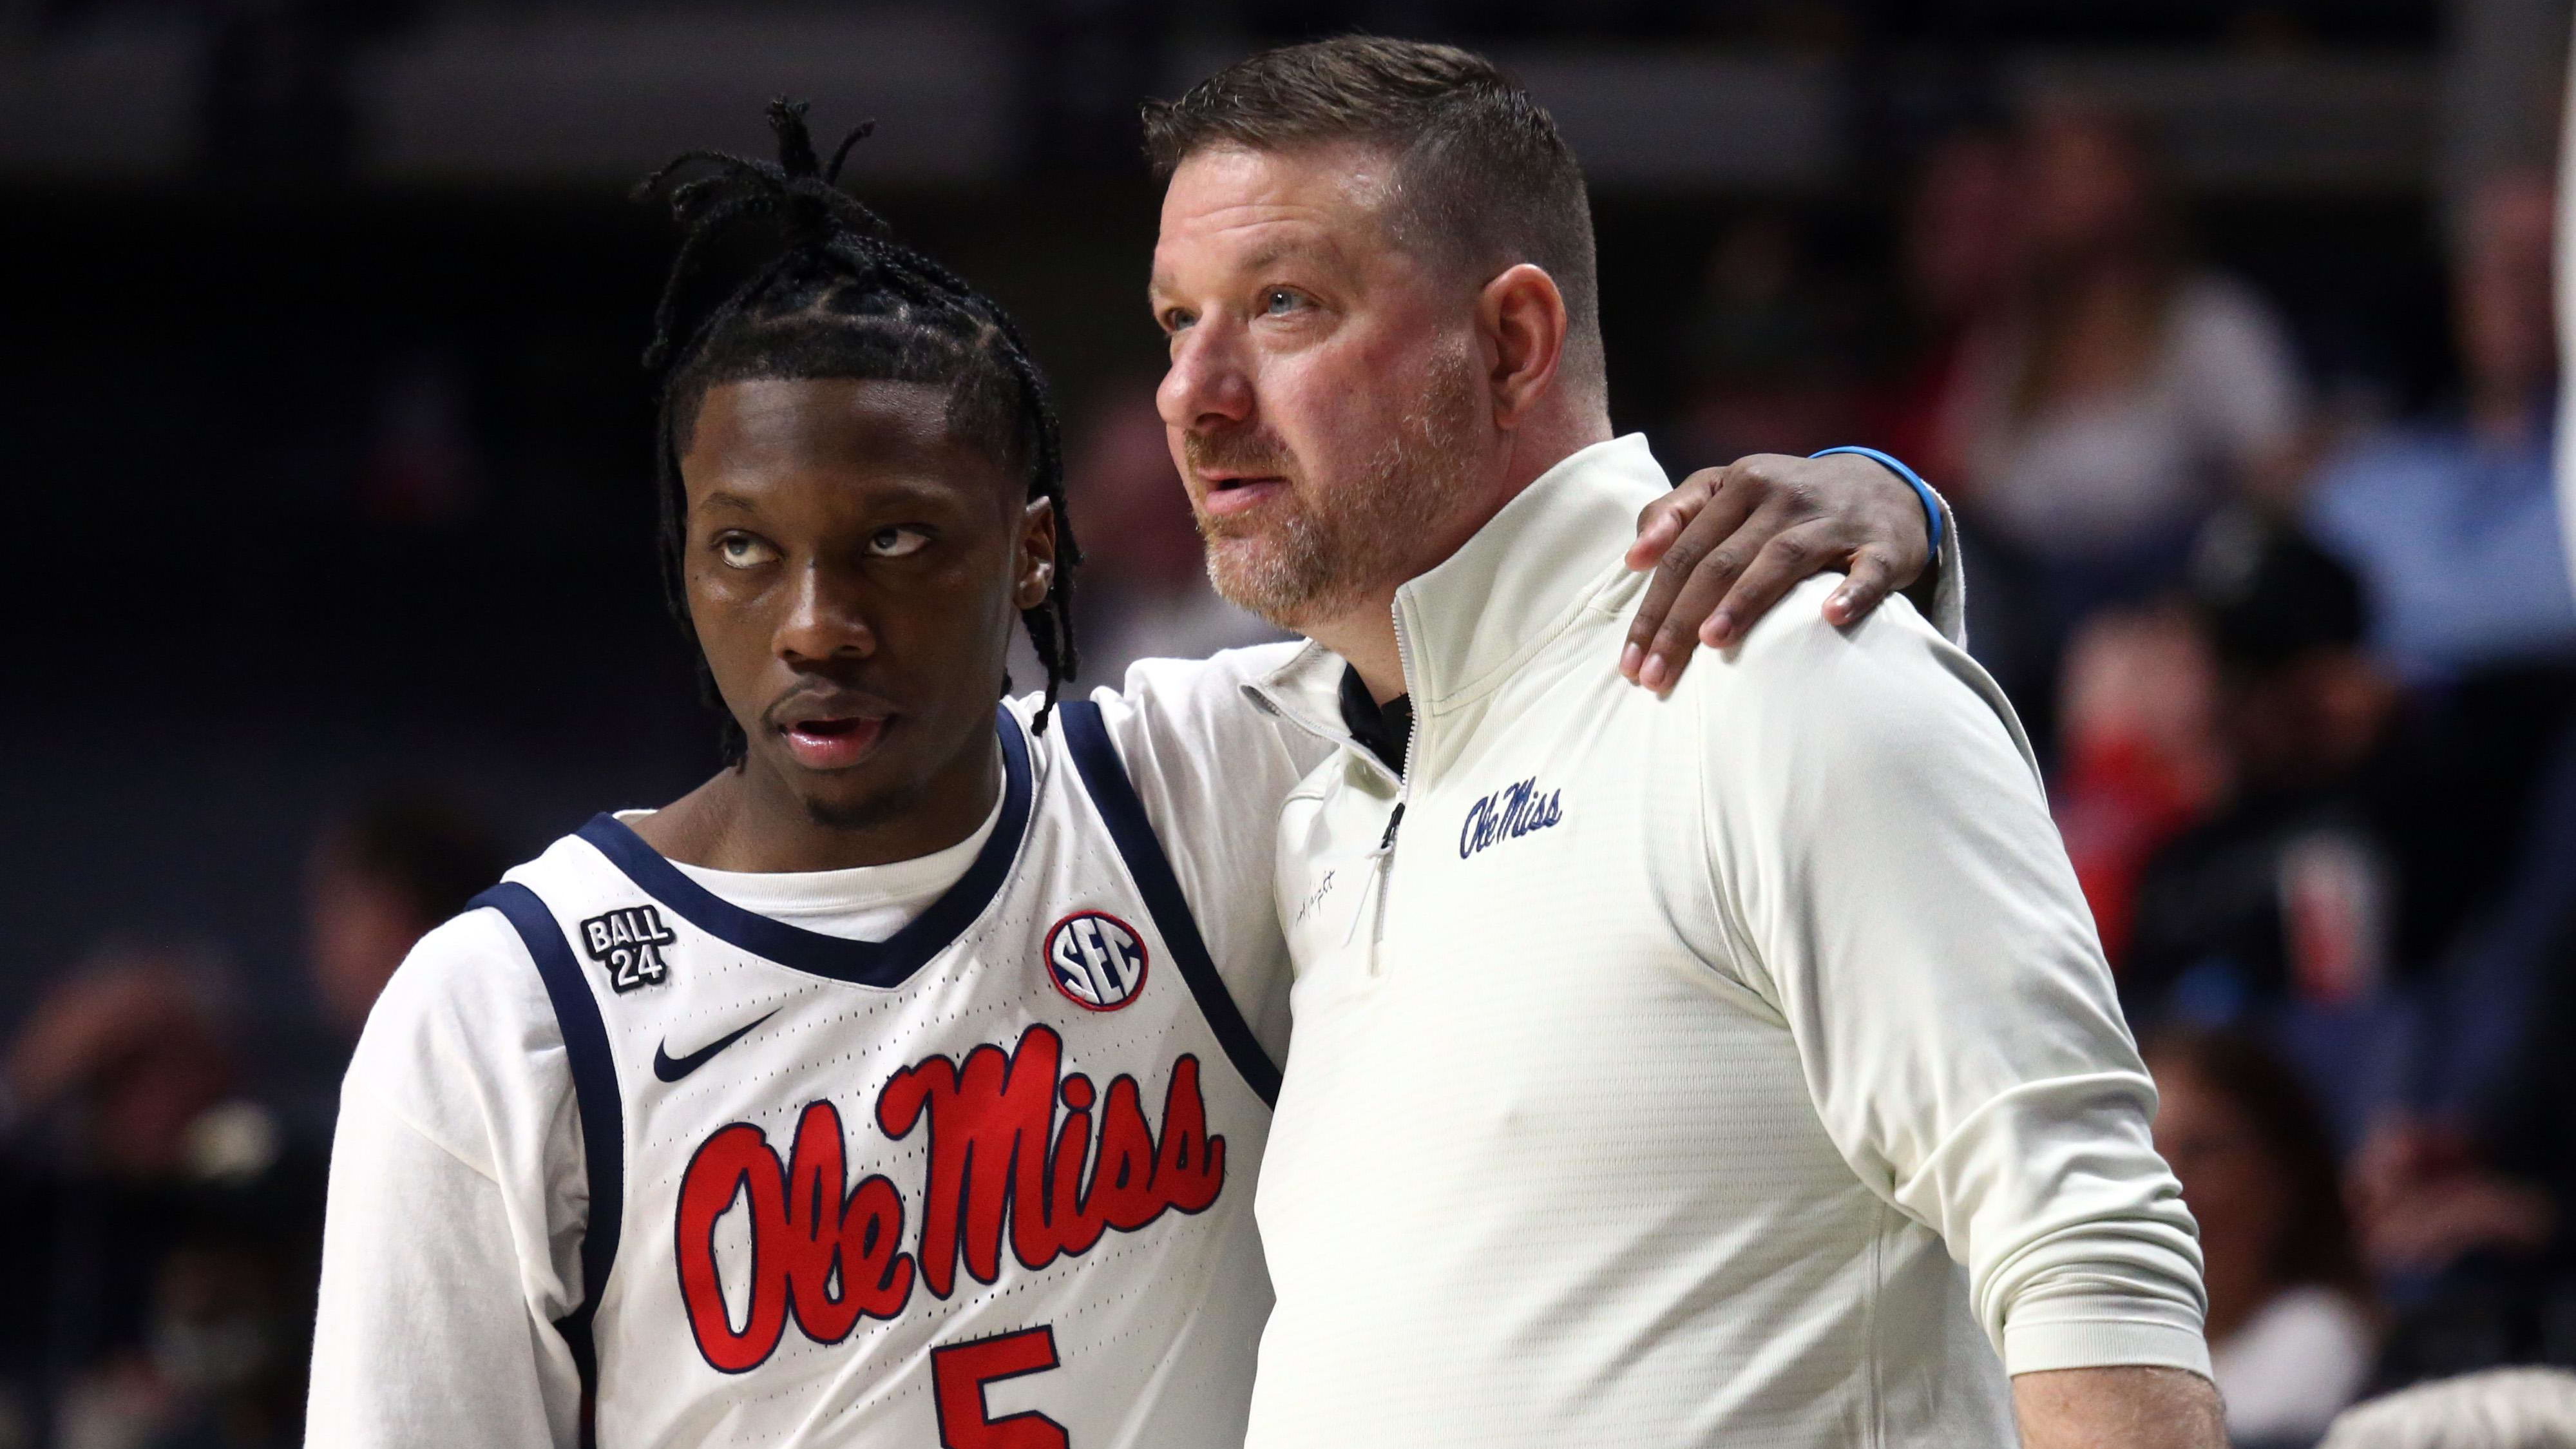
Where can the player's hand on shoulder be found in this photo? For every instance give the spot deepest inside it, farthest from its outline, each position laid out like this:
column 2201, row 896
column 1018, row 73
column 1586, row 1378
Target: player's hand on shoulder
column 1730, row 542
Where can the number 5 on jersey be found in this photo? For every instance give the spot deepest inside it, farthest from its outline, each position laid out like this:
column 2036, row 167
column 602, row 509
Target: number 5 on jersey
column 958, row 1375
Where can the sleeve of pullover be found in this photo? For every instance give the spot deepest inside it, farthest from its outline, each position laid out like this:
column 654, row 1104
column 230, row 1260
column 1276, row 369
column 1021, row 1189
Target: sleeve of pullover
column 1884, row 855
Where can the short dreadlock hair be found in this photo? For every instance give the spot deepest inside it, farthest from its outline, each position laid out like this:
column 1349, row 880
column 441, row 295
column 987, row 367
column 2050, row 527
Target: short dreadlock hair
column 841, row 299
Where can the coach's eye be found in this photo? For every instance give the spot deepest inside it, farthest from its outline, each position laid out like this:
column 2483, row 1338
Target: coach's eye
column 1279, row 301
column 896, row 542
column 743, row 551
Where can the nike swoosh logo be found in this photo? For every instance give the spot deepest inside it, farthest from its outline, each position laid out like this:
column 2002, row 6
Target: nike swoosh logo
column 671, row 1069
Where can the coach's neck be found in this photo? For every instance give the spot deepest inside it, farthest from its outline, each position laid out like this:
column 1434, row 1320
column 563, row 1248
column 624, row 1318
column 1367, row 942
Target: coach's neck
column 1556, row 424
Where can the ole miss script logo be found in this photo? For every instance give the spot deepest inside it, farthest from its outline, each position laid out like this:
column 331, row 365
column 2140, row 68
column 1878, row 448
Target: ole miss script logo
column 1096, row 960
column 1025, row 1159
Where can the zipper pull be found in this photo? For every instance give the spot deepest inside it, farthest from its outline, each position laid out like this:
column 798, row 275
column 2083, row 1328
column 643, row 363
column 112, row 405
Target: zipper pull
column 1370, row 894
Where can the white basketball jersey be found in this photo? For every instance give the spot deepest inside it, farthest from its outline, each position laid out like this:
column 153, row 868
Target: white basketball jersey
column 984, row 1185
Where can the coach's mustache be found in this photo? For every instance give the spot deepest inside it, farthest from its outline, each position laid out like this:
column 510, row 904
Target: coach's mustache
column 1251, row 453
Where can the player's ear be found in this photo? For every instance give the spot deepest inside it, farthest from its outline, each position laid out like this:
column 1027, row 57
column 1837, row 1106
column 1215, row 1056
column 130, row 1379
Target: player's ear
column 1036, row 571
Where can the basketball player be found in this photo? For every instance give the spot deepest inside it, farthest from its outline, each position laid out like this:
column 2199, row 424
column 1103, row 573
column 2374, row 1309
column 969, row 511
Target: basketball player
column 1782, row 1102
column 895, row 1086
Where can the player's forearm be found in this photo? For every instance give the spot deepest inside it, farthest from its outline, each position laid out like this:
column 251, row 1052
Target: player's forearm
column 2127, row 1407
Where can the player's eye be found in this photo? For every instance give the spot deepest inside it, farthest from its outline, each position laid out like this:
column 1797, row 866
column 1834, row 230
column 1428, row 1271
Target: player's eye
column 897, row 542
column 1174, row 320
column 743, row 551
column 1280, row 301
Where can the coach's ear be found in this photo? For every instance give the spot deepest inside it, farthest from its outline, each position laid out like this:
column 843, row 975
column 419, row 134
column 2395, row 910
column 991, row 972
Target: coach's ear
column 1521, row 318
column 1035, row 573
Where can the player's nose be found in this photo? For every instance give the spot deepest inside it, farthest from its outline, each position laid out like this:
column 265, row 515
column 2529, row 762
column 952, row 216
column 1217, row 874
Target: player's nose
column 826, row 618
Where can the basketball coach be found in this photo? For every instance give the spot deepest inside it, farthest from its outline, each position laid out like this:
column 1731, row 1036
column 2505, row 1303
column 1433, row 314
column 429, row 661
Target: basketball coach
column 1780, row 1099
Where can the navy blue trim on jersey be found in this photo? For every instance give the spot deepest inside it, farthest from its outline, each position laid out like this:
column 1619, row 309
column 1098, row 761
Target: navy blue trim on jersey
column 1105, row 776
column 889, row 962
column 603, row 1113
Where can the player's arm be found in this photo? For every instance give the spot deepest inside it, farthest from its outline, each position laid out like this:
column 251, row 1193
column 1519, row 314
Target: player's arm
column 1881, row 854
column 1211, row 770
column 1729, row 542
column 443, row 1260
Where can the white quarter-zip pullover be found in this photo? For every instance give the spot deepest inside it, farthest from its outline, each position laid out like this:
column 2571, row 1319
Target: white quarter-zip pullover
column 1739, row 1067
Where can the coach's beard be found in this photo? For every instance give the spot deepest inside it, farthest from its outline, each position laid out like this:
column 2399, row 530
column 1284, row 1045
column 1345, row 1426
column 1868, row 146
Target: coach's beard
column 1316, row 554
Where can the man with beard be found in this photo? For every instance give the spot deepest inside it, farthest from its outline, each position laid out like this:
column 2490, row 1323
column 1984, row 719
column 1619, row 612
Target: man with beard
column 1781, row 1099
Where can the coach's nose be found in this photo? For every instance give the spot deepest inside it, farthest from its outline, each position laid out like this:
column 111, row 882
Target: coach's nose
column 1207, row 384
column 826, row 619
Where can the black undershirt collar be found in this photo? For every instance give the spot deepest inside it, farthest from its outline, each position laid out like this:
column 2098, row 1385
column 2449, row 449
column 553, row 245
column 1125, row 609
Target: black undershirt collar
column 1384, row 729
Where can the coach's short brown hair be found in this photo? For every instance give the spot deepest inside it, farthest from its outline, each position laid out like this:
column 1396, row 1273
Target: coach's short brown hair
column 1482, row 178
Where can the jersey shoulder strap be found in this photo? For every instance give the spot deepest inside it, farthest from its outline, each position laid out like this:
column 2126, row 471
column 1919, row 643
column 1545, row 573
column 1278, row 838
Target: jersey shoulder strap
column 595, row 1098
column 1104, row 776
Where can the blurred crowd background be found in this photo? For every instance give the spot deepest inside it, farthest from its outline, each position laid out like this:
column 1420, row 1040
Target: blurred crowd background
column 2226, row 325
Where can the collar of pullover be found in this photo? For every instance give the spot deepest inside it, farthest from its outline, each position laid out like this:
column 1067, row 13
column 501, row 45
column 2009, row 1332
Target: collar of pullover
column 1520, row 581
column 1514, row 586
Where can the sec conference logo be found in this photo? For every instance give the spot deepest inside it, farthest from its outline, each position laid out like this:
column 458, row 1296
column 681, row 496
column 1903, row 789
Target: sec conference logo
column 1096, row 960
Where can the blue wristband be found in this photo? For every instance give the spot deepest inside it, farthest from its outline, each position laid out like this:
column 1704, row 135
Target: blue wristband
column 1922, row 490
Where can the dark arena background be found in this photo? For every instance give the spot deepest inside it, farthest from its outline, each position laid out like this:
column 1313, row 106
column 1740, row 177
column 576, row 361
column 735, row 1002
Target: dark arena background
column 2224, row 324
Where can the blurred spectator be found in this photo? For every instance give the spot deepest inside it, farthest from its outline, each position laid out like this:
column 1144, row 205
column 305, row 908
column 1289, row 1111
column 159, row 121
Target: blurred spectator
column 2116, row 399
column 2452, row 518
column 232, row 1330
column 1768, row 352
column 378, row 881
column 128, row 1145
column 1145, row 593
column 225, row 1347
column 170, row 1226
column 2427, row 1199
column 126, row 1059
column 2500, row 1409
column 2332, row 864
column 1961, row 254
column 2141, row 757
column 2286, row 886
column 2290, row 1330
column 2129, row 394
column 2473, row 1217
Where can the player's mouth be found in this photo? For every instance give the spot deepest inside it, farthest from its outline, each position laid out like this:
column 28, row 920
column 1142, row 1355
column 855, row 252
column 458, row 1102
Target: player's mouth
column 833, row 737
column 1226, row 494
